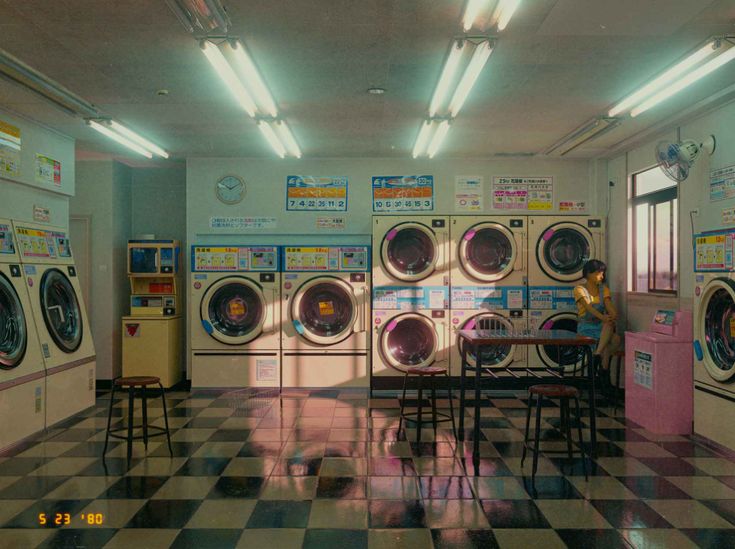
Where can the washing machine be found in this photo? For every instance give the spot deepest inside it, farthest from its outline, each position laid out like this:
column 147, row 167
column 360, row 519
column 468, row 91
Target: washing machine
column 541, row 357
column 411, row 261
column 558, row 249
column 714, row 338
column 22, row 373
column 500, row 356
column 60, row 316
column 403, row 338
column 326, row 313
column 235, row 316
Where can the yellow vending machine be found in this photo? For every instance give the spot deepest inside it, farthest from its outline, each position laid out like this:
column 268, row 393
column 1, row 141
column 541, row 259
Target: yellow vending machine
column 152, row 333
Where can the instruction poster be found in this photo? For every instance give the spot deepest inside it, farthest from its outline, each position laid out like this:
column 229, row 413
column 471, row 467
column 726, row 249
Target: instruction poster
column 643, row 369
column 48, row 170
column 728, row 216
column 468, row 193
column 523, row 193
column 403, row 193
column 713, row 252
column 9, row 150
column 722, row 183
column 316, row 193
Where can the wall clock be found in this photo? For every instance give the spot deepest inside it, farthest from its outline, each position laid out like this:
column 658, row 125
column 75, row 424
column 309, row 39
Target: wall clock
column 230, row 189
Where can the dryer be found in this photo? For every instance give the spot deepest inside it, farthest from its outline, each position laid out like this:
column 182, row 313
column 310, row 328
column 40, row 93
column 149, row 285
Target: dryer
column 326, row 312
column 61, row 319
column 22, row 373
column 714, row 337
column 541, row 357
column 558, row 249
column 411, row 256
column 235, row 316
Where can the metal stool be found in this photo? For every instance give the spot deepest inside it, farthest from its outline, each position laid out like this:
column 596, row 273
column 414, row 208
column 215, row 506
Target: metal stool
column 431, row 372
column 131, row 383
column 564, row 393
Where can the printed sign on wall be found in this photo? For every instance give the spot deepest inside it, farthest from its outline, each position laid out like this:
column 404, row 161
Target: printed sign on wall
column 722, row 183
column 728, row 216
column 643, row 369
column 403, row 193
column 48, row 170
column 572, row 206
column 323, row 223
column 523, row 193
column 316, row 193
column 242, row 222
column 41, row 214
column 9, row 150
column 468, row 193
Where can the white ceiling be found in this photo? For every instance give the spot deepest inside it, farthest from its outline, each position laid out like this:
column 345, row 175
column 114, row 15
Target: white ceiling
column 558, row 64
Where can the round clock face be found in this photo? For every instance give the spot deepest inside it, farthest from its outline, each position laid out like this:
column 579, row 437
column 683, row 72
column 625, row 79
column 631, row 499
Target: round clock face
column 230, row 189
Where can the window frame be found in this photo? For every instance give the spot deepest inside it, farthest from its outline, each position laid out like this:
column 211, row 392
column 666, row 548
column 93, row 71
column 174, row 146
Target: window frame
column 652, row 199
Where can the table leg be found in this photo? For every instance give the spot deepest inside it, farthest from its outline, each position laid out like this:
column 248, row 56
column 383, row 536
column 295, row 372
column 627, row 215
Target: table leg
column 593, row 406
column 462, row 379
column 131, row 405
column 476, row 432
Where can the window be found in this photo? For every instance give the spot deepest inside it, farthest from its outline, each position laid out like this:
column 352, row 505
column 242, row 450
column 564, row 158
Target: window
column 654, row 231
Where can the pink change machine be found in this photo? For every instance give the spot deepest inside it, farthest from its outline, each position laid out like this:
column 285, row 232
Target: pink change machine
column 658, row 374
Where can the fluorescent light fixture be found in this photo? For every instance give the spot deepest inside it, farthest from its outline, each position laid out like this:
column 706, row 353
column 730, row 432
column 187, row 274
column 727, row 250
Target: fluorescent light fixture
column 669, row 76
column 479, row 58
column 685, row 81
column 588, row 131
column 436, row 141
column 506, row 10
column 207, row 15
column 104, row 130
column 228, row 76
column 422, row 139
column 253, row 80
column 447, row 76
column 271, row 137
column 474, row 7
column 287, row 139
column 142, row 141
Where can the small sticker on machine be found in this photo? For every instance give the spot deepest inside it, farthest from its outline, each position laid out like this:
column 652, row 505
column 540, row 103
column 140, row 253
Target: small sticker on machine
column 266, row 369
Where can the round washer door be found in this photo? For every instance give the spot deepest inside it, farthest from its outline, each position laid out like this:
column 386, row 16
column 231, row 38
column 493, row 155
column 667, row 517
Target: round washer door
column 409, row 251
column 324, row 310
column 554, row 356
column 488, row 251
column 715, row 328
column 563, row 249
column 13, row 330
column 408, row 340
column 60, row 310
column 233, row 310
column 499, row 356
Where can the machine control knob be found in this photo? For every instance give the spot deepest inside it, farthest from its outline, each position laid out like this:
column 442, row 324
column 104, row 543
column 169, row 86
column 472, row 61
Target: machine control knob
column 287, row 285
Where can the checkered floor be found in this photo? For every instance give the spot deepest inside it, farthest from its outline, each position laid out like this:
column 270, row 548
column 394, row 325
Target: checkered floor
column 326, row 469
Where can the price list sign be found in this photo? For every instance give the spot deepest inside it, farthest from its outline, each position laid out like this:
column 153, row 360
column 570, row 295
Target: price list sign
column 403, row 193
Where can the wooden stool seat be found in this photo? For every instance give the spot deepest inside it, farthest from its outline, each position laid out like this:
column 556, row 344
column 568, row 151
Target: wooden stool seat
column 554, row 391
column 427, row 370
column 137, row 381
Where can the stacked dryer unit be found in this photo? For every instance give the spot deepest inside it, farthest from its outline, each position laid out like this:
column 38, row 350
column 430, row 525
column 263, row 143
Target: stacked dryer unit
column 22, row 374
column 558, row 248
column 488, row 283
column 235, row 316
column 60, row 318
column 326, row 315
column 714, row 337
column 410, row 294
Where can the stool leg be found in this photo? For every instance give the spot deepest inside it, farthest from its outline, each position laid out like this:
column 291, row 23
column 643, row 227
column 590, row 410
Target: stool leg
column 451, row 405
column 581, row 441
column 568, row 430
column 165, row 419
column 109, row 420
column 528, row 427
column 145, row 418
column 433, row 404
column 617, row 385
column 131, row 405
column 462, row 386
column 537, row 437
column 403, row 402
column 418, row 413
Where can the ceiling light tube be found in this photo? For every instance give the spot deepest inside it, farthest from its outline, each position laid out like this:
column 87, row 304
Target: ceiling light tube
column 479, row 58
column 287, row 139
column 447, row 76
column 142, row 141
column 474, row 7
column 669, row 76
column 507, row 9
column 218, row 13
column 685, row 81
column 436, row 141
column 253, row 80
column 422, row 139
column 590, row 130
column 104, row 130
column 228, row 76
column 271, row 137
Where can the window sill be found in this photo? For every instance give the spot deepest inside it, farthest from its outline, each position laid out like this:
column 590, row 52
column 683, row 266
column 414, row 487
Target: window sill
column 644, row 298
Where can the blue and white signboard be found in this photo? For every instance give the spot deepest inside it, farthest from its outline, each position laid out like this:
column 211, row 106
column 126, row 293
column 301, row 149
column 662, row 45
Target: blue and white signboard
column 403, row 193
column 316, row 193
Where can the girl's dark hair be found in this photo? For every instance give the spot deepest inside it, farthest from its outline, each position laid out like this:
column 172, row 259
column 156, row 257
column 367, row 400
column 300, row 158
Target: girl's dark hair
column 594, row 266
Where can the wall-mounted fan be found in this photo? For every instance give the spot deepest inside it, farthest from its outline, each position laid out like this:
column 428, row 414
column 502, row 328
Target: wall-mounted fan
column 676, row 159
